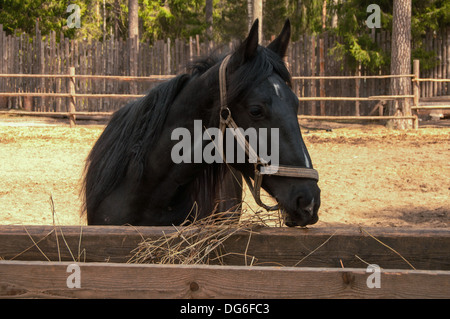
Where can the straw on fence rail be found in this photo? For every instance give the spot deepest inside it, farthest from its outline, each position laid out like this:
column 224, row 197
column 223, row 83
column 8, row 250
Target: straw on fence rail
column 200, row 241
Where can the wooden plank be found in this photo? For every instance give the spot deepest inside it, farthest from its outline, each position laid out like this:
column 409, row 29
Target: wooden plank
column 2, row 63
column 21, row 279
column 440, row 63
column 425, row 249
column 428, row 47
column 416, row 84
column 347, row 245
column 89, row 70
column 72, row 100
column 433, row 80
column 3, row 66
column 350, row 77
column 447, row 45
column 55, row 114
column 435, row 70
column 436, row 106
column 120, row 96
column 53, row 64
column 348, row 98
column 110, row 69
column 357, row 91
column 322, row 71
column 347, row 118
column 313, row 92
column 364, row 118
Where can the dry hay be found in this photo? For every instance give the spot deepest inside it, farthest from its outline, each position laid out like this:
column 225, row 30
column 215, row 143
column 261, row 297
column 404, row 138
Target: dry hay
column 200, row 241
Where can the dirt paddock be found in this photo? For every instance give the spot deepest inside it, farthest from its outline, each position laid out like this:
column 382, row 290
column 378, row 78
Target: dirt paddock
column 369, row 175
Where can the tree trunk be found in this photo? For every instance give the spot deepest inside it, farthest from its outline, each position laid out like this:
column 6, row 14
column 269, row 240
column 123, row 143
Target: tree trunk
column 322, row 57
column 255, row 11
column 133, row 34
column 258, row 14
column 249, row 14
column 133, row 22
column 209, row 19
column 401, row 62
column 116, row 19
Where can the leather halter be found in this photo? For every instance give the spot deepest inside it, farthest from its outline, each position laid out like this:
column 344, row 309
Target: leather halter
column 226, row 120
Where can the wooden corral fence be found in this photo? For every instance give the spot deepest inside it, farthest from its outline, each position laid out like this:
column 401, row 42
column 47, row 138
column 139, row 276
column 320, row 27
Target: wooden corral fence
column 71, row 112
column 261, row 263
column 310, row 58
column 72, row 95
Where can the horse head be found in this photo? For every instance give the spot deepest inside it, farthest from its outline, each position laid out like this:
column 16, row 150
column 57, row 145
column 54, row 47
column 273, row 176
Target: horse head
column 259, row 96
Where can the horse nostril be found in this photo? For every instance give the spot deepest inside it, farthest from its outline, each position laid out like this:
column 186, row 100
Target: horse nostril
column 306, row 203
column 310, row 208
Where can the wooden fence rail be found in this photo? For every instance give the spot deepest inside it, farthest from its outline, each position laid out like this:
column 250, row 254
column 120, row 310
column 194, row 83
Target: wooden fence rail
column 150, row 78
column 287, row 264
column 72, row 95
column 28, row 279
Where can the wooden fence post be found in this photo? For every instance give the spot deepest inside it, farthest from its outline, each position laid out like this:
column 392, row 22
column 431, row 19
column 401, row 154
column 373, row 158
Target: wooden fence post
column 197, row 42
column 191, row 50
column 313, row 73
column 168, row 68
column 72, row 98
column 322, row 72
column 416, row 84
column 357, row 93
column 3, row 69
column 447, row 46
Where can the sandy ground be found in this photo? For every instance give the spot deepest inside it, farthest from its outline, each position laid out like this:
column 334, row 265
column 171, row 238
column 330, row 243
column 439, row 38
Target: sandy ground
column 369, row 175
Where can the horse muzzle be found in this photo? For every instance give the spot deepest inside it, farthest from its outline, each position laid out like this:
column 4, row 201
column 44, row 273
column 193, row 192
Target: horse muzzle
column 304, row 211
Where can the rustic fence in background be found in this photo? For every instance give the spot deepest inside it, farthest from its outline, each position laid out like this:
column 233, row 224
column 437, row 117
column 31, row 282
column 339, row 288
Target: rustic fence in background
column 72, row 95
column 308, row 59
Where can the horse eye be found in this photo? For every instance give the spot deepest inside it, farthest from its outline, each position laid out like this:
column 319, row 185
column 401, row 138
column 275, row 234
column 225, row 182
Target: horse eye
column 256, row 111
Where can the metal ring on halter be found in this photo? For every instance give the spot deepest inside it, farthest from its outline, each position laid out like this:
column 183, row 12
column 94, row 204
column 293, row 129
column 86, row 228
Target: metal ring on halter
column 228, row 117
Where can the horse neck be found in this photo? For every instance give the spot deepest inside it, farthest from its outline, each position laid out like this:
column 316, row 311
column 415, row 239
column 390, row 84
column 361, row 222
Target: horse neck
column 165, row 177
column 197, row 102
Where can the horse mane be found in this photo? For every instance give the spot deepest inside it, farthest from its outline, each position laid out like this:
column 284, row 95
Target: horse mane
column 131, row 130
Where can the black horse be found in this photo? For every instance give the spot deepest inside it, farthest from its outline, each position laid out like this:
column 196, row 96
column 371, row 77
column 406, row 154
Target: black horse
column 131, row 178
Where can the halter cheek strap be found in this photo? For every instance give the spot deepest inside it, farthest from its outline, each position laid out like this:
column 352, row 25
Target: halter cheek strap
column 226, row 120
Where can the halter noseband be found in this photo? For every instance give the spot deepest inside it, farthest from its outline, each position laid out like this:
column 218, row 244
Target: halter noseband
column 226, row 120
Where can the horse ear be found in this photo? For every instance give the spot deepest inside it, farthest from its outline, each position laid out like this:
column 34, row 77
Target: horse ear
column 280, row 44
column 247, row 50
